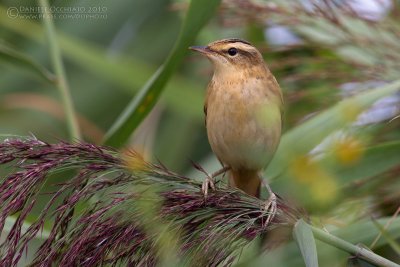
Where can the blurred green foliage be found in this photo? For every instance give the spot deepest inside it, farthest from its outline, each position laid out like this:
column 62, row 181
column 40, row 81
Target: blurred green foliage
column 109, row 59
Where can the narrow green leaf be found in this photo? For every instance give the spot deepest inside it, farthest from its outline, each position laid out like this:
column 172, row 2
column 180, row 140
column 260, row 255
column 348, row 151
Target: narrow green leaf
column 376, row 160
column 357, row 55
column 358, row 250
column 305, row 137
column 329, row 28
column 59, row 70
column 9, row 224
column 249, row 253
column 127, row 73
column 318, row 35
column 200, row 11
column 392, row 243
column 362, row 232
column 305, row 240
column 357, row 262
column 365, row 231
column 359, row 27
column 12, row 56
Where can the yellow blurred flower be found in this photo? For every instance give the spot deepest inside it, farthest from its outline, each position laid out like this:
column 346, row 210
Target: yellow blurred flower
column 325, row 189
column 348, row 150
column 321, row 184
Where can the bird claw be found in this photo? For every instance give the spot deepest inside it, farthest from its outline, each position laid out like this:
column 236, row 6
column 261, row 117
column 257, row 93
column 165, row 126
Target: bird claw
column 271, row 207
column 208, row 182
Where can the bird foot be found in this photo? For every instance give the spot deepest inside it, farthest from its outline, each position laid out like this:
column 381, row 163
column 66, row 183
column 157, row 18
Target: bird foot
column 271, row 207
column 209, row 180
column 207, row 183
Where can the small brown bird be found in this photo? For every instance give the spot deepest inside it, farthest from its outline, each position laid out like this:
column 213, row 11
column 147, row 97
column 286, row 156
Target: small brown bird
column 243, row 113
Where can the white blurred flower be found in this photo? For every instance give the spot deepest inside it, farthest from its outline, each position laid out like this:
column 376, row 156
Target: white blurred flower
column 281, row 35
column 371, row 9
column 384, row 109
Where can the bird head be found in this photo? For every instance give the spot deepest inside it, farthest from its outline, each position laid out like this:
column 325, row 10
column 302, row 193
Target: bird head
column 231, row 53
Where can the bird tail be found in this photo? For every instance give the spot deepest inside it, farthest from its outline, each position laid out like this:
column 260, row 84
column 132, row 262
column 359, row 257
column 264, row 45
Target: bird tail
column 246, row 180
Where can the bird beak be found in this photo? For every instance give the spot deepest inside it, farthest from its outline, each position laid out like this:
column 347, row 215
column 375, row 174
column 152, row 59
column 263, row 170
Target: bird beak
column 201, row 49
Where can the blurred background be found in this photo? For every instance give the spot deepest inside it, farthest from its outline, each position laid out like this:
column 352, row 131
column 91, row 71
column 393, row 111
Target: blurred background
column 321, row 52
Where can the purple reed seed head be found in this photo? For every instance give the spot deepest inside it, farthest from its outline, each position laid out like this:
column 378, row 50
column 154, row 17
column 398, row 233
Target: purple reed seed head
column 113, row 229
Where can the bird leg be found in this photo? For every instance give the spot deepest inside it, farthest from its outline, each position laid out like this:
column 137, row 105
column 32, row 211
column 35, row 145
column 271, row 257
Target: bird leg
column 271, row 204
column 209, row 181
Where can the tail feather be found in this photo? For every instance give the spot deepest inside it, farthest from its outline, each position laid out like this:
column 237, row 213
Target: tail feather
column 246, row 180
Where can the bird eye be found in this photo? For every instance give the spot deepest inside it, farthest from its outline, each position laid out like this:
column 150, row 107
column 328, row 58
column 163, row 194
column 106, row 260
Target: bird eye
column 232, row 51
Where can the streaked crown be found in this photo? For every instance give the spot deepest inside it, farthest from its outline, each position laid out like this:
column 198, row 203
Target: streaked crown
column 234, row 51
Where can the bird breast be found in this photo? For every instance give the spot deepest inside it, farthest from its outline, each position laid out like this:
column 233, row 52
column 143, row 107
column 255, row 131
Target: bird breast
column 243, row 121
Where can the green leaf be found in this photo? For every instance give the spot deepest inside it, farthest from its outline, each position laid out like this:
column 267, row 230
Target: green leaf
column 304, row 138
column 9, row 224
column 376, row 160
column 357, row 262
column 318, row 35
column 362, row 232
column 350, row 248
column 249, row 252
column 12, row 56
column 305, row 240
column 128, row 73
column 359, row 27
column 357, row 55
column 200, row 11
column 393, row 244
column 365, row 231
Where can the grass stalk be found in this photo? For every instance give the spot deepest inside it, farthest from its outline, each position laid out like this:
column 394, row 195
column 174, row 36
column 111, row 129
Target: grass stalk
column 62, row 84
column 358, row 251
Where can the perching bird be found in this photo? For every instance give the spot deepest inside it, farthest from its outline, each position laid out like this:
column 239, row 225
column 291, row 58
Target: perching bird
column 243, row 113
